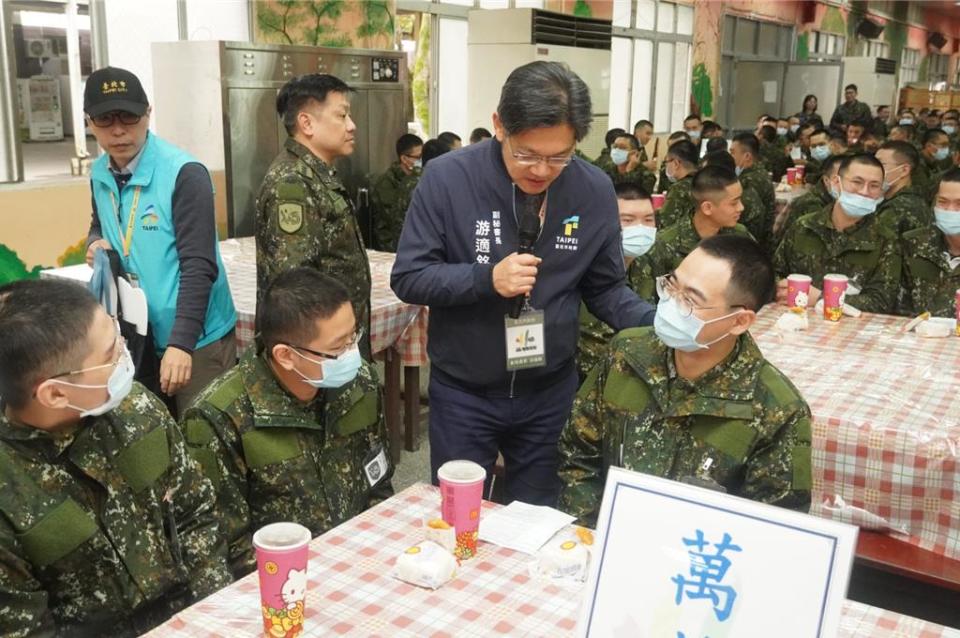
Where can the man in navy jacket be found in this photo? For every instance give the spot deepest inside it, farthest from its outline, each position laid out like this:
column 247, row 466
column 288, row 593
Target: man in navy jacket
column 458, row 255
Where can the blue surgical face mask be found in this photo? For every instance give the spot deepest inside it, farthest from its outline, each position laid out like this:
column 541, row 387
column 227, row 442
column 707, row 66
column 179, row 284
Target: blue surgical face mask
column 794, row 128
column 820, row 152
column 738, row 170
column 670, row 176
column 336, row 372
column 638, row 240
column 619, row 156
column 948, row 129
column 941, row 154
column 418, row 163
column 856, row 205
column 947, row 221
column 781, row 131
column 694, row 135
column 905, row 121
column 118, row 386
column 679, row 332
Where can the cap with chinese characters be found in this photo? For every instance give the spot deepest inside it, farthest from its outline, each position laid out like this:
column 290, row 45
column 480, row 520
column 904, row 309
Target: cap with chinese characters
column 112, row 89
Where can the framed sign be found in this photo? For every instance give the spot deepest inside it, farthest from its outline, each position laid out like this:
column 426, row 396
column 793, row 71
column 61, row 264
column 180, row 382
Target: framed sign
column 678, row 561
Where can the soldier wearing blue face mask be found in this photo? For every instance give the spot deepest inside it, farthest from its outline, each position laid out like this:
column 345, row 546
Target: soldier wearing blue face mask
column 693, row 399
column 626, row 165
column 847, row 237
column 934, row 160
column 295, row 432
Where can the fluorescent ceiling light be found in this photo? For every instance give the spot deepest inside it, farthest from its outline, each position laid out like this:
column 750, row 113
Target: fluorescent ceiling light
column 51, row 20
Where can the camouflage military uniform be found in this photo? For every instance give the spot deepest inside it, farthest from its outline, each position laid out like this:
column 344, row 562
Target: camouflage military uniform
column 851, row 113
column 679, row 204
column 926, row 178
column 755, row 178
column 105, row 530
column 756, row 220
column 812, row 171
column 272, row 458
column 742, row 425
column 390, row 197
column 776, row 159
column 905, row 211
column 603, row 160
column 810, row 202
column 867, row 252
column 639, row 176
column 304, row 218
column 929, row 283
column 595, row 334
column 671, row 247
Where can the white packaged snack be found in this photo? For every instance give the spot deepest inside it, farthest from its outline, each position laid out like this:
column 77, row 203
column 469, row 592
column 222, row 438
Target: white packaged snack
column 563, row 558
column 426, row 564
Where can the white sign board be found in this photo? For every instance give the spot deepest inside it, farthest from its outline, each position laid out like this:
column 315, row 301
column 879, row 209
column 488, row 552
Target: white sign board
column 676, row 561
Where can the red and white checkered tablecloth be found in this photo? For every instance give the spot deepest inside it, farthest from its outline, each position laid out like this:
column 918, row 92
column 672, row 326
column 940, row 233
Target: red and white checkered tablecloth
column 886, row 433
column 392, row 322
column 352, row 594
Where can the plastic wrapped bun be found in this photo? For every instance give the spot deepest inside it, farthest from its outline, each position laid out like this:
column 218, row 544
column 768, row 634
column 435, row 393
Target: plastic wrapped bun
column 425, row 564
column 563, row 558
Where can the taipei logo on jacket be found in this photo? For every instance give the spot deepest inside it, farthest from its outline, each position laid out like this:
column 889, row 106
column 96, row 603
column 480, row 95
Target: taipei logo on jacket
column 568, row 240
column 149, row 220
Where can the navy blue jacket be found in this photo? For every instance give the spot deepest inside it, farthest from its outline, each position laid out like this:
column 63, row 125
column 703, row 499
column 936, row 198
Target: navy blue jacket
column 442, row 263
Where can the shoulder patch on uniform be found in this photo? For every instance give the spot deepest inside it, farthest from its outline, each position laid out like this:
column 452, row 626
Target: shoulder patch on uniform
column 778, row 385
column 290, row 216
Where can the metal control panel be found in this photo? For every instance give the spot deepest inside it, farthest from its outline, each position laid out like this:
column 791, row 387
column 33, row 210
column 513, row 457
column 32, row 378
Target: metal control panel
column 385, row 70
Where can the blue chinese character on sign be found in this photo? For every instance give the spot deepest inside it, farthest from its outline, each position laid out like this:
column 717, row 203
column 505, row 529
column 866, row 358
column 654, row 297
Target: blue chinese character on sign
column 707, row 570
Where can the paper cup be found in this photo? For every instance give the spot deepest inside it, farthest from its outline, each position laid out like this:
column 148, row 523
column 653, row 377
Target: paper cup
column 957, row 305
column 658, row 200
column 461, row 492
column 798, row 285
column 791, row 176
column 834, row 292
column 801, row 172
column 282, row 565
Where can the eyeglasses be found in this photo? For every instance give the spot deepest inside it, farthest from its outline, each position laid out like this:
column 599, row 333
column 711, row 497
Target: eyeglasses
column 667, row 289
column 529, row 159
column 333, row 356
column 858, row 183
column 107, row 119
column 118, row 350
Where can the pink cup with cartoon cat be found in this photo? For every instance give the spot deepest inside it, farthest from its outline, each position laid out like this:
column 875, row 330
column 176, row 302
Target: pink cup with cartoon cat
column 798, row 291
column 461, row 493
column 282, row 565
column 834, row 293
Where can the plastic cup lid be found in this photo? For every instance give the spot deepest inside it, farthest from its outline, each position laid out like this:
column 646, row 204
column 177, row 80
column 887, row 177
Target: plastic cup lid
column 461, row 472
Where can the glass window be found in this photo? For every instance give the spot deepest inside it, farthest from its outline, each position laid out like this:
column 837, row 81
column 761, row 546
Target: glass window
column 642, row 80
column 452, row 76
column 666, row 14
column 768, row 39
column 529, row 4
column 494, row 4
column 681, row 85
column 646, row 14
column 621, row 55
column 729, row 29
column 746, row 36
column 621, row 13
column 684, row 19
column 661, row 111
column 463, row 3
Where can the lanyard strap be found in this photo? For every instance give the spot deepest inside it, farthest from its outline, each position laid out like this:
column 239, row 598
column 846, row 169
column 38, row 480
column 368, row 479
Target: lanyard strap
column 128, row 238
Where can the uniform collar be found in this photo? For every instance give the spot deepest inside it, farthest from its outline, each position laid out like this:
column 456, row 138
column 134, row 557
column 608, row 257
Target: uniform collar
column 326, row 173
column 49, row 442
column 725, row 391
column 931, row 246
column 273, row 405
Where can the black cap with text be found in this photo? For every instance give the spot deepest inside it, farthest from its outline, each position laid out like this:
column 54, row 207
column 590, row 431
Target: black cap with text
column 112, row 89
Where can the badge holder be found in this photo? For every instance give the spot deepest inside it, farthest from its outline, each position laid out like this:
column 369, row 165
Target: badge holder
column 525, row 339
column 375, row 465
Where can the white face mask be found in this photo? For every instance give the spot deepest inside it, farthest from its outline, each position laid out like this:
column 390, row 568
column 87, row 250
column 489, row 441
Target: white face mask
column 118, row 385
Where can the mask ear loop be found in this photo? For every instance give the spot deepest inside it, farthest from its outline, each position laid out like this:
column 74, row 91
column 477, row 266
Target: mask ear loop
column 725, row 335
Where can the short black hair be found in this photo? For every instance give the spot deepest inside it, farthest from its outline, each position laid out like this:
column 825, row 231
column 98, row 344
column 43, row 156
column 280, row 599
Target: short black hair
column 860, row 158
column 407, row 142
column 44, row 325
column 749, row 143
column 827, row 166
column 612, row 136
column 631, row 191
column 804, row 127
column 292, row 304
column 720, row 158
column 904, row 152
column 710, row 127
column 478, row 134
column 301, row 90
column 449, row 138
column 839, row 137
column 710, row 180
column 950, row 117
column 752, row 280
column 692, row 116
column 631, row 140
column 951, row 175
column 767, row 134
column 678, row 135
column 932, row 134
column 542, row 93
column 433, row 149
column 851, row 86
column 716, row 144
column 685, row 151
column 820, row 131
column 642, row 123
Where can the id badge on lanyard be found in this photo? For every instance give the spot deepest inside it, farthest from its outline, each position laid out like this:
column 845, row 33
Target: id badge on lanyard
column 526, row 346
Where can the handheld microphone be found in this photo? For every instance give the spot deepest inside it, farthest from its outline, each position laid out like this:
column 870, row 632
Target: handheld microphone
column 528, row 231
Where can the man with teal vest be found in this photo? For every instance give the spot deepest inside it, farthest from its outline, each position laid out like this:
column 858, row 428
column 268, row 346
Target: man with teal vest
column 107, row 525
column 693, row 399
column 296, row 431
column 153, row 205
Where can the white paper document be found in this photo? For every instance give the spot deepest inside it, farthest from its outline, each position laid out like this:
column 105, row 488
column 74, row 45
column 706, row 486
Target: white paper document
column 522, row 527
